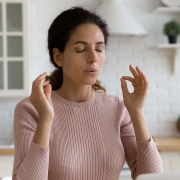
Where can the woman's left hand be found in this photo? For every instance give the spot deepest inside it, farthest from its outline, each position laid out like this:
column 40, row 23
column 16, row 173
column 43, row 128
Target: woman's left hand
column 134, row 101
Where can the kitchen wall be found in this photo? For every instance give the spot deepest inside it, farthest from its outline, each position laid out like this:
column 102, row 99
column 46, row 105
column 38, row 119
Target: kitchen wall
column 163, row 104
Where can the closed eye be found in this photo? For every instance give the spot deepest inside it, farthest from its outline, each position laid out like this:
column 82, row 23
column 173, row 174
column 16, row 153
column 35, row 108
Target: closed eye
column 85, row 49
column 98, row 50
column 80, row 51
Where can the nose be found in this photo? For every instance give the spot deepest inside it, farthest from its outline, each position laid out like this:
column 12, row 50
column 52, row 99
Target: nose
column 92, row 56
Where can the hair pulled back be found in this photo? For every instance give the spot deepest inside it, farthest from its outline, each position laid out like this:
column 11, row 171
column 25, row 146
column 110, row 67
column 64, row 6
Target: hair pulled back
column 59, row 33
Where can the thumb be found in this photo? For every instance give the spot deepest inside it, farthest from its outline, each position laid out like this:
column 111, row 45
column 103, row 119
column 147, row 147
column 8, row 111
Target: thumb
column 124, row 88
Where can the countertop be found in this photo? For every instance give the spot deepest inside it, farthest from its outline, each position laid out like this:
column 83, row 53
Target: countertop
column 162, row 144
column 6, row 151
column 167, row 143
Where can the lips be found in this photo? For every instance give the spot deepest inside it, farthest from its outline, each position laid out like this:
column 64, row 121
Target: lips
column 91, row 70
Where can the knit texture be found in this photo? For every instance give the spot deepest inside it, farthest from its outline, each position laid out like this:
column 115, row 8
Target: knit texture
column 89, row 141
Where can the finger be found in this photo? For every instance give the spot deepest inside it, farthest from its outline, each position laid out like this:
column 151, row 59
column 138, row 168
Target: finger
column 132, row 80
column 133, row 71
column 142, row 80
column 135, row 74
column 45, row 83
column 140, row 75
column 47, row 92
column 138, row 71
column 124, row 87
column 39, row 81
column 128, row 78
column 41, row 76
column 146, row 84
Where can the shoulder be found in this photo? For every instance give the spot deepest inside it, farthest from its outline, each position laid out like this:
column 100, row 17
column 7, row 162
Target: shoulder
column 112, row 106
column 109, row 101
column 113, row 99
column 24, row 105
column 25, row 111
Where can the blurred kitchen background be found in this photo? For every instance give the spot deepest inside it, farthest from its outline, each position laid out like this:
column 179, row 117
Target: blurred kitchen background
column 138, row 39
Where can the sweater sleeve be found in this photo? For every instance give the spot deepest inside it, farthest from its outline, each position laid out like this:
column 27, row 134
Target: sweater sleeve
column 141, row 157
column 31, row 161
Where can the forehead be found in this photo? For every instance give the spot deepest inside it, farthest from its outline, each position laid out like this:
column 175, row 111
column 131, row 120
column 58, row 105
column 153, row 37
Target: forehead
column 88, row 33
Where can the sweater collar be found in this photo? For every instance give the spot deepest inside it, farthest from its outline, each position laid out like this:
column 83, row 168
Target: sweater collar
column 71, row 103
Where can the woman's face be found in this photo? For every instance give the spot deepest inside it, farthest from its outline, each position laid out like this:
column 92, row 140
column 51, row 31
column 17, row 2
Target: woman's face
column 84, row 55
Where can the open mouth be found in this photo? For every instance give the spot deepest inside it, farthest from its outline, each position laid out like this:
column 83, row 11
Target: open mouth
column 91, row 72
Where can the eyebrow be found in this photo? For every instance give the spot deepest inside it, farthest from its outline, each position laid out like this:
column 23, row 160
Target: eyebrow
column 83, row 42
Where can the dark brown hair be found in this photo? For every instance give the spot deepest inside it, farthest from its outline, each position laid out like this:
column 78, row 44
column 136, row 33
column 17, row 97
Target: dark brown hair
column 59, row 33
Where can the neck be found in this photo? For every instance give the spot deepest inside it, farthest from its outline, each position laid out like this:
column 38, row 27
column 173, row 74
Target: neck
column 75, row 94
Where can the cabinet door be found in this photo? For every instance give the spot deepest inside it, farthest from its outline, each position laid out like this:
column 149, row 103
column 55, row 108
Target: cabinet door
column 1, row 76
column 175, row 162
column 171, row 161
column 1, row 17
column 14, row 16
column 13, row 48
column 6, row 165
column 1, row 51
column 15, row 75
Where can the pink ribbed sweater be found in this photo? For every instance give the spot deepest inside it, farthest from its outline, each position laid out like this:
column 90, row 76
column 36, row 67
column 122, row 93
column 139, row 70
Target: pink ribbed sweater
column 89, row 141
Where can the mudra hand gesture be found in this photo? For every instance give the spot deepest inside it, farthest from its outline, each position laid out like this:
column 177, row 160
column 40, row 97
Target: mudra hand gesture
column 134, row 101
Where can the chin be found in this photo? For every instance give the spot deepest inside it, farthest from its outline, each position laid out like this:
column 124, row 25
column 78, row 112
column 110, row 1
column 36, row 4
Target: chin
column 90, row 82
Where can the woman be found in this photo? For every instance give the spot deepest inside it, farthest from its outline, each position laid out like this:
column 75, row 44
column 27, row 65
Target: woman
column 69, row 128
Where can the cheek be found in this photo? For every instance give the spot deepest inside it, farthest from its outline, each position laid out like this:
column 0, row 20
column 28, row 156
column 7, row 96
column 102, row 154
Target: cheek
column 102, row 59
column 71, row 65
column 66, row 66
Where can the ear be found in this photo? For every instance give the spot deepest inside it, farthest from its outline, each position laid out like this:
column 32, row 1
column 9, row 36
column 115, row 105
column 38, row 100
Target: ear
column 57, row 55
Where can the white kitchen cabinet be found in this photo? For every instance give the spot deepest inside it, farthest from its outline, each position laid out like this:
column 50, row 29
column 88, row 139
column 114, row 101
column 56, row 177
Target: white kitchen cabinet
column 125, row 177
column 6, row 165
column 125, row 173
column 171, row 161
column 13, row 48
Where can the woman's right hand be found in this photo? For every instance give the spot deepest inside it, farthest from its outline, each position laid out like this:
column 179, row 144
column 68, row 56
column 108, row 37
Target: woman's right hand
column 41, row 98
